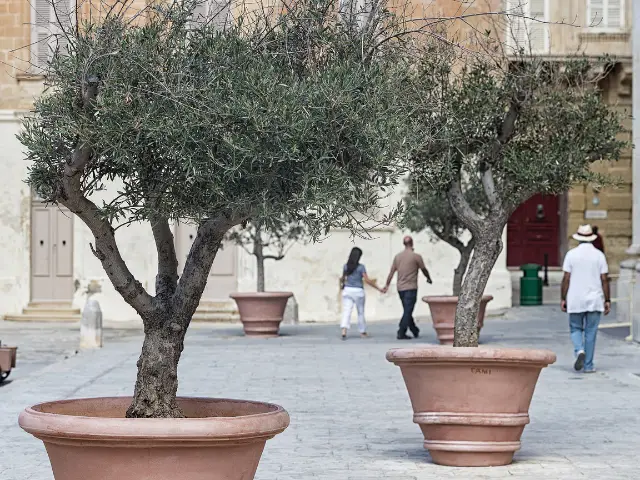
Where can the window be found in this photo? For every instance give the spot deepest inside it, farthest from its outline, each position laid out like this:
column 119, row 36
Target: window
column 605, row 14
column 48, row 20
column 216, row 11
column 527, row 27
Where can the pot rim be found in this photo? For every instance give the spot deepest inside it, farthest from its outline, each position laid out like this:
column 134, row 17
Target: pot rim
column 450, row 298
column 243, row 295
column 209, row 429
column 449, row 354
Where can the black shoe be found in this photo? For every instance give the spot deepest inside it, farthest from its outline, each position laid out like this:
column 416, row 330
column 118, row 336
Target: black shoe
column 579, row 361
column 404, row 336
column 415, row 333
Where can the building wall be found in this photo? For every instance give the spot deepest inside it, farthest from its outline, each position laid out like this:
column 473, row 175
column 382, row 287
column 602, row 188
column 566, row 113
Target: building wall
column 15, row 209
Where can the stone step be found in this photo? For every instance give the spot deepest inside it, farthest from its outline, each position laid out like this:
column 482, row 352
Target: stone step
column 46, row 312
column 39, row 317
column 50, row 311
column 221, row 311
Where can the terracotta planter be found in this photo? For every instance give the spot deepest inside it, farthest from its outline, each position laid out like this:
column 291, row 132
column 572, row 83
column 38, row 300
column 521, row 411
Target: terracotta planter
column 443, row 314
column 471, row 403
column 8, row 357
column 89, row 439
column 261, row 312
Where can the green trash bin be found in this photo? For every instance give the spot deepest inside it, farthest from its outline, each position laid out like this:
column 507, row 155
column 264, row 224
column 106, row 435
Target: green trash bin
column 530, row 285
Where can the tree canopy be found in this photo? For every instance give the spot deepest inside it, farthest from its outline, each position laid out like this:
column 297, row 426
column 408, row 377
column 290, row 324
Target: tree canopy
column 297, row 113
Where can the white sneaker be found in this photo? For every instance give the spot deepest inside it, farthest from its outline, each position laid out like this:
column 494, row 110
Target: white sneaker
column 593, row 370
column 579, row 364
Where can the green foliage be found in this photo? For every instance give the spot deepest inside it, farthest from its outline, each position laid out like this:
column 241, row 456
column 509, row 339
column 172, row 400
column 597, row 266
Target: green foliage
column 429, row 209
column 299, row 114
column 537, row 125
column 268, row 244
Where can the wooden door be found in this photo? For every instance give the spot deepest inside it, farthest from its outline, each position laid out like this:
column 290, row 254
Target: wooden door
column 51, row 254
column 223, row 275
column 533, row 231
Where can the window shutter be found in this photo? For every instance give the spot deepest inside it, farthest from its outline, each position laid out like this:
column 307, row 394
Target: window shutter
column 62, row 18
column 517, row 28
column 220, row 12
column 538, row 30
column 41, row 10
column 200, row 12
column 614, row 14
column 595, row 13
column 50, row 18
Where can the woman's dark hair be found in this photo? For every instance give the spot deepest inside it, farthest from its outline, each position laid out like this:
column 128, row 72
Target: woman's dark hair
column 595, row 230
column 352, row 262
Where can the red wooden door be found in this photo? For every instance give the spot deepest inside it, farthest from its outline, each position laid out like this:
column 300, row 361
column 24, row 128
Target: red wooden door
column 533, row 230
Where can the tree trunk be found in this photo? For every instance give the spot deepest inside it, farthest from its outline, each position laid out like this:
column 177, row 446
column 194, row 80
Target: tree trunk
column 157, row 382
column 484, row 257
column 458, row 274
column 260, row 272
column 258, row 252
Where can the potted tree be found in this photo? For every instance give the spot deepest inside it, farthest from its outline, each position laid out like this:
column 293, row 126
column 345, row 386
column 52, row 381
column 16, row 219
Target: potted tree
column 431, row 210
column 517, row 127
column 261, row 312
column 153, row 116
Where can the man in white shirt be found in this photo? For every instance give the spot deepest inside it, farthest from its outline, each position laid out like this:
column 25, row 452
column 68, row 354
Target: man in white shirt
column 585, row 295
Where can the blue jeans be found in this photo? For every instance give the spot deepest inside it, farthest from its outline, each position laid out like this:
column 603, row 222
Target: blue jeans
column 584, row 329
column 408, row 299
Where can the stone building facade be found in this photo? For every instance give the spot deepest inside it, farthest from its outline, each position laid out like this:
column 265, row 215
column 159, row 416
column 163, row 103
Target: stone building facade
column 48, row 263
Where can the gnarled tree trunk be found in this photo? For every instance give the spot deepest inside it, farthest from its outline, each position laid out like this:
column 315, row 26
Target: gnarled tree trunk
column 484, row 257
column 461, row 269
column 157, row 380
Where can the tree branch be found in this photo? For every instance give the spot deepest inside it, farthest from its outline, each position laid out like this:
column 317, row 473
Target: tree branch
column 489, row 187
column 106, row 248
column 167, row 277
column 197, row 267
column 463, row 210
column 272, row 257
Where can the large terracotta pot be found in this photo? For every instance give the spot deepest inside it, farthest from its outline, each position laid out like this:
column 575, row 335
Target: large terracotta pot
column 261, row 312
column 443, row 314
column 89, row 439
column 471, row 403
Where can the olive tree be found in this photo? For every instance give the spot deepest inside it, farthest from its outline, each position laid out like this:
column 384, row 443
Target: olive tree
column 267, row 244
column 173, row 118
column 517, row 127
column 430, row 210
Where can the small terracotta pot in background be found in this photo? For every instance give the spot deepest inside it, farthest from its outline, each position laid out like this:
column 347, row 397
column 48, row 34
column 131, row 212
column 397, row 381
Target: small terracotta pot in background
column 8, row 356
column 261, row 312
column 471, row 403
column 443, row 314
column 90, row 439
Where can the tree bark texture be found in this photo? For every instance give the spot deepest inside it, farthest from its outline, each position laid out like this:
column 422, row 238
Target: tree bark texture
column 157, row 380
column 260, row 273
column 258, row 252
column 461, row 269
column 484, row 257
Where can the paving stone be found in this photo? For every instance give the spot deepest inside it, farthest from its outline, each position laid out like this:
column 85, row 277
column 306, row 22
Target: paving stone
column 350, row 413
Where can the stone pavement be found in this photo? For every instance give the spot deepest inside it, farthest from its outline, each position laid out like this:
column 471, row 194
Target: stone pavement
column 350, row 413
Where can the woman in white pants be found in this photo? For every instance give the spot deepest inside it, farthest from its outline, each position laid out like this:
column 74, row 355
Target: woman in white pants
column 354, row 276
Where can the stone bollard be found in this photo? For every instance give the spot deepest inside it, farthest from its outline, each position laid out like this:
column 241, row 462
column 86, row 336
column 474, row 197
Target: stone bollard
column 291, row 311
column 91, row 322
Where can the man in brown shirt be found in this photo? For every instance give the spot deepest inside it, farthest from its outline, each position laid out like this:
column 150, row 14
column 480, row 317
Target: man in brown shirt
column 407, row 263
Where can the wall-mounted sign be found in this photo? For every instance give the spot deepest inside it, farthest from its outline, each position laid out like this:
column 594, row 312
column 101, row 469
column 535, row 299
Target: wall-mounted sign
column 595, row 214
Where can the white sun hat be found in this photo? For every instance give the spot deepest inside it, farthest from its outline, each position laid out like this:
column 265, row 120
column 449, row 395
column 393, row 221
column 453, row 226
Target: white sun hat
column 584, row 234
